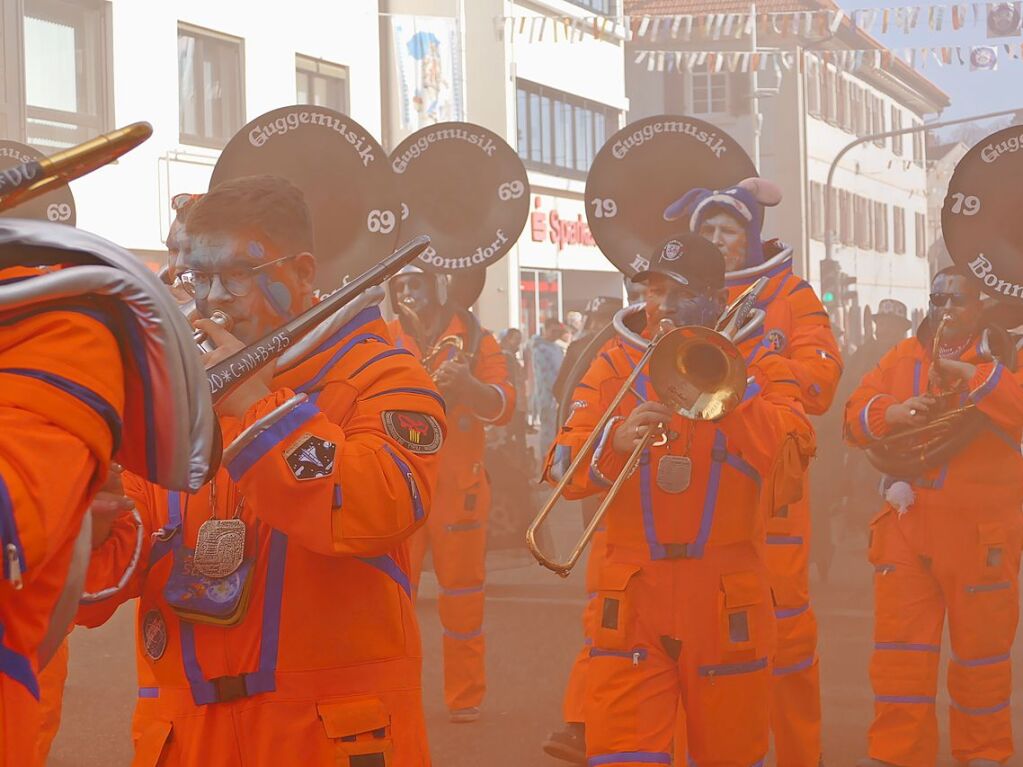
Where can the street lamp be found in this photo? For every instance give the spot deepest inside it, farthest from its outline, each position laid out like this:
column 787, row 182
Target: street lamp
column 886, row 134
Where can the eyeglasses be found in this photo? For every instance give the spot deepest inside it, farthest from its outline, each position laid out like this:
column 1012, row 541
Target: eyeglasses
column 958, row 300
column 238, row 280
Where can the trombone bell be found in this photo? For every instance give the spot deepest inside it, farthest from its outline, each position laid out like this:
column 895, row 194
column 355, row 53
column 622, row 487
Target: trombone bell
column 698, row 373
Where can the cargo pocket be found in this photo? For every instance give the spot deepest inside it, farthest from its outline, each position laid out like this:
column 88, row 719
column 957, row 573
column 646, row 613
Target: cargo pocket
column 740, row 604
column 614, row 606
column 151, row 744
column 992, row 550
column 360, row 730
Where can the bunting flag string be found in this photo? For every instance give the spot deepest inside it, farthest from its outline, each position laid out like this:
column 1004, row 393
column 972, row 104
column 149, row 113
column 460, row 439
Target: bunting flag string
column 976, row 57
column 809, row 26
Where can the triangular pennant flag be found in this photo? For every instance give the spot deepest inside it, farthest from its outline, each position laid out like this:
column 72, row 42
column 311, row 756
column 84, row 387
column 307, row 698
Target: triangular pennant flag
column 676, row 24
column 660, row 61
column 751, row 24
column 689, row 27
column 727, row 24
column 691, row 60
column 543, row 27
column 885, row 16
column 678, row 61
column 644, row 25
column 640, row 57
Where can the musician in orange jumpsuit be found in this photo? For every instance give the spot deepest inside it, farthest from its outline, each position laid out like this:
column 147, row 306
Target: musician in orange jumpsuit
column 683, row 615
column 947, row 540
column 476, row 386
column 797, row 327
column 275, row 620
column 61, row 404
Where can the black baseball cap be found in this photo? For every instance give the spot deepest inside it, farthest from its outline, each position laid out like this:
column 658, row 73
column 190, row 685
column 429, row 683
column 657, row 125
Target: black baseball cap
column 688, row 259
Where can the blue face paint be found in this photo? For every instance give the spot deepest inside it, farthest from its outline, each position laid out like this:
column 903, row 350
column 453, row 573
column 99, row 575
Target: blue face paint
column 257, row 251
column 277, row 295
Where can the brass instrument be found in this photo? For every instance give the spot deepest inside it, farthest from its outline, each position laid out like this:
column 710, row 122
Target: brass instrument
column 697, row 372
column 31, row 179
column 201, row 337
column 912, row 452
column 978, row 223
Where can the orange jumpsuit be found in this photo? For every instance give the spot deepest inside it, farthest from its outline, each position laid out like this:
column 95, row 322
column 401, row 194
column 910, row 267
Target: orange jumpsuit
column 956, row 549
column 324, row 665
column 683, row 612
column 456, row 531
column 61, row 400
column 797, row 327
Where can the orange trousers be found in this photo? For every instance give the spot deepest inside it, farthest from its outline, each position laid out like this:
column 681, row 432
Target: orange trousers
column 335, row 729
column 51, row 700
column 695, row 635
column 928, row 562
column 456, row 533
column 795, row 682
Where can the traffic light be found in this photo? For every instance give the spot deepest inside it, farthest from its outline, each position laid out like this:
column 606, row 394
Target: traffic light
column 846, row 289
column 830, row 284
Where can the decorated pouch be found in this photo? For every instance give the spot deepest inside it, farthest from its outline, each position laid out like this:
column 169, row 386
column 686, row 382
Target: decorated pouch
column 198, row 598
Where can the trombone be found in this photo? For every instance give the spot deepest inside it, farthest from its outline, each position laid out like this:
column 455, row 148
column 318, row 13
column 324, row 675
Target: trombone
column 697, row 372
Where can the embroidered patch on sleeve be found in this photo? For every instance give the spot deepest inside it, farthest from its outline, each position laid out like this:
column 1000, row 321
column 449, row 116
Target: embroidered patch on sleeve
column 416, row 432
column 310, row 457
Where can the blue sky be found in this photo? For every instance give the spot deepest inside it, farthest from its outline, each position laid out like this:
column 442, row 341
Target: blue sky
column 970, row 92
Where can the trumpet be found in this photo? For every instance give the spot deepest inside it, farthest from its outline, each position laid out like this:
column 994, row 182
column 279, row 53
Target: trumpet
column 201, row 337
column 697, row 372
column 451, row 344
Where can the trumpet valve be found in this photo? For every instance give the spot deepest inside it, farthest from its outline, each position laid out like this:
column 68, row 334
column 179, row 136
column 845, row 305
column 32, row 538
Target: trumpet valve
column 201, row 337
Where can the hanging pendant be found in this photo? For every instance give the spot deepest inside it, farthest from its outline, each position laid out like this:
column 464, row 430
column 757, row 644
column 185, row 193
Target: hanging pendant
column 220, row 547
column 674, row 473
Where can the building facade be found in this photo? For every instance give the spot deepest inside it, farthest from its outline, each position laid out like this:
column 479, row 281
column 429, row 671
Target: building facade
column 196, row 71
column 555, row 102
column 793, row 117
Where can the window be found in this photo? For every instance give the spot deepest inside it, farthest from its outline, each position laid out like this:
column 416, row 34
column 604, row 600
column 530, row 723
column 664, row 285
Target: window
column 813, row 87
column 67, row 72
column 817, row 211
column 877, row 122
column 918, row 146
column 560, row 133
column 603, row 7
column 899, row 221
column 921, row 235
column 210, row 87
column 864, row 223
column 708, row 92
column 848, row 217
column 881, row 226
column 897, row 125
column 321, row 84
column 828, row 94
column 842, row 113
column 857, row 108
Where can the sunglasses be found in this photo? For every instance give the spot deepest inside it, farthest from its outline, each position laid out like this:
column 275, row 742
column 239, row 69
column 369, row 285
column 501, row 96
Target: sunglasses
column 237, row 280
column 958, row 300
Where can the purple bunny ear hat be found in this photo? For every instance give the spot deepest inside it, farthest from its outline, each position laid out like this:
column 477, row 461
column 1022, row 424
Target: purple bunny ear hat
column 745, row 201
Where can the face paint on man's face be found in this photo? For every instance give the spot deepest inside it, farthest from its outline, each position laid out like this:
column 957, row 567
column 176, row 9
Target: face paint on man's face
column 218, row 254
column 958, row 299
column 668, row 300
column 416, row 291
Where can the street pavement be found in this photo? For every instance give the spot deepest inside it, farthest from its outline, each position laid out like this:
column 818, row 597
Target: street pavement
column 532, row 626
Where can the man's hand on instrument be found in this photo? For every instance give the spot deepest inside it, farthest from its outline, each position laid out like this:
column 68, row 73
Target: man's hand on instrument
column 248, row 393
column 453, row 375
column 648, row 417
column 108, row 504
column 952, row 373
column 913, row 412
